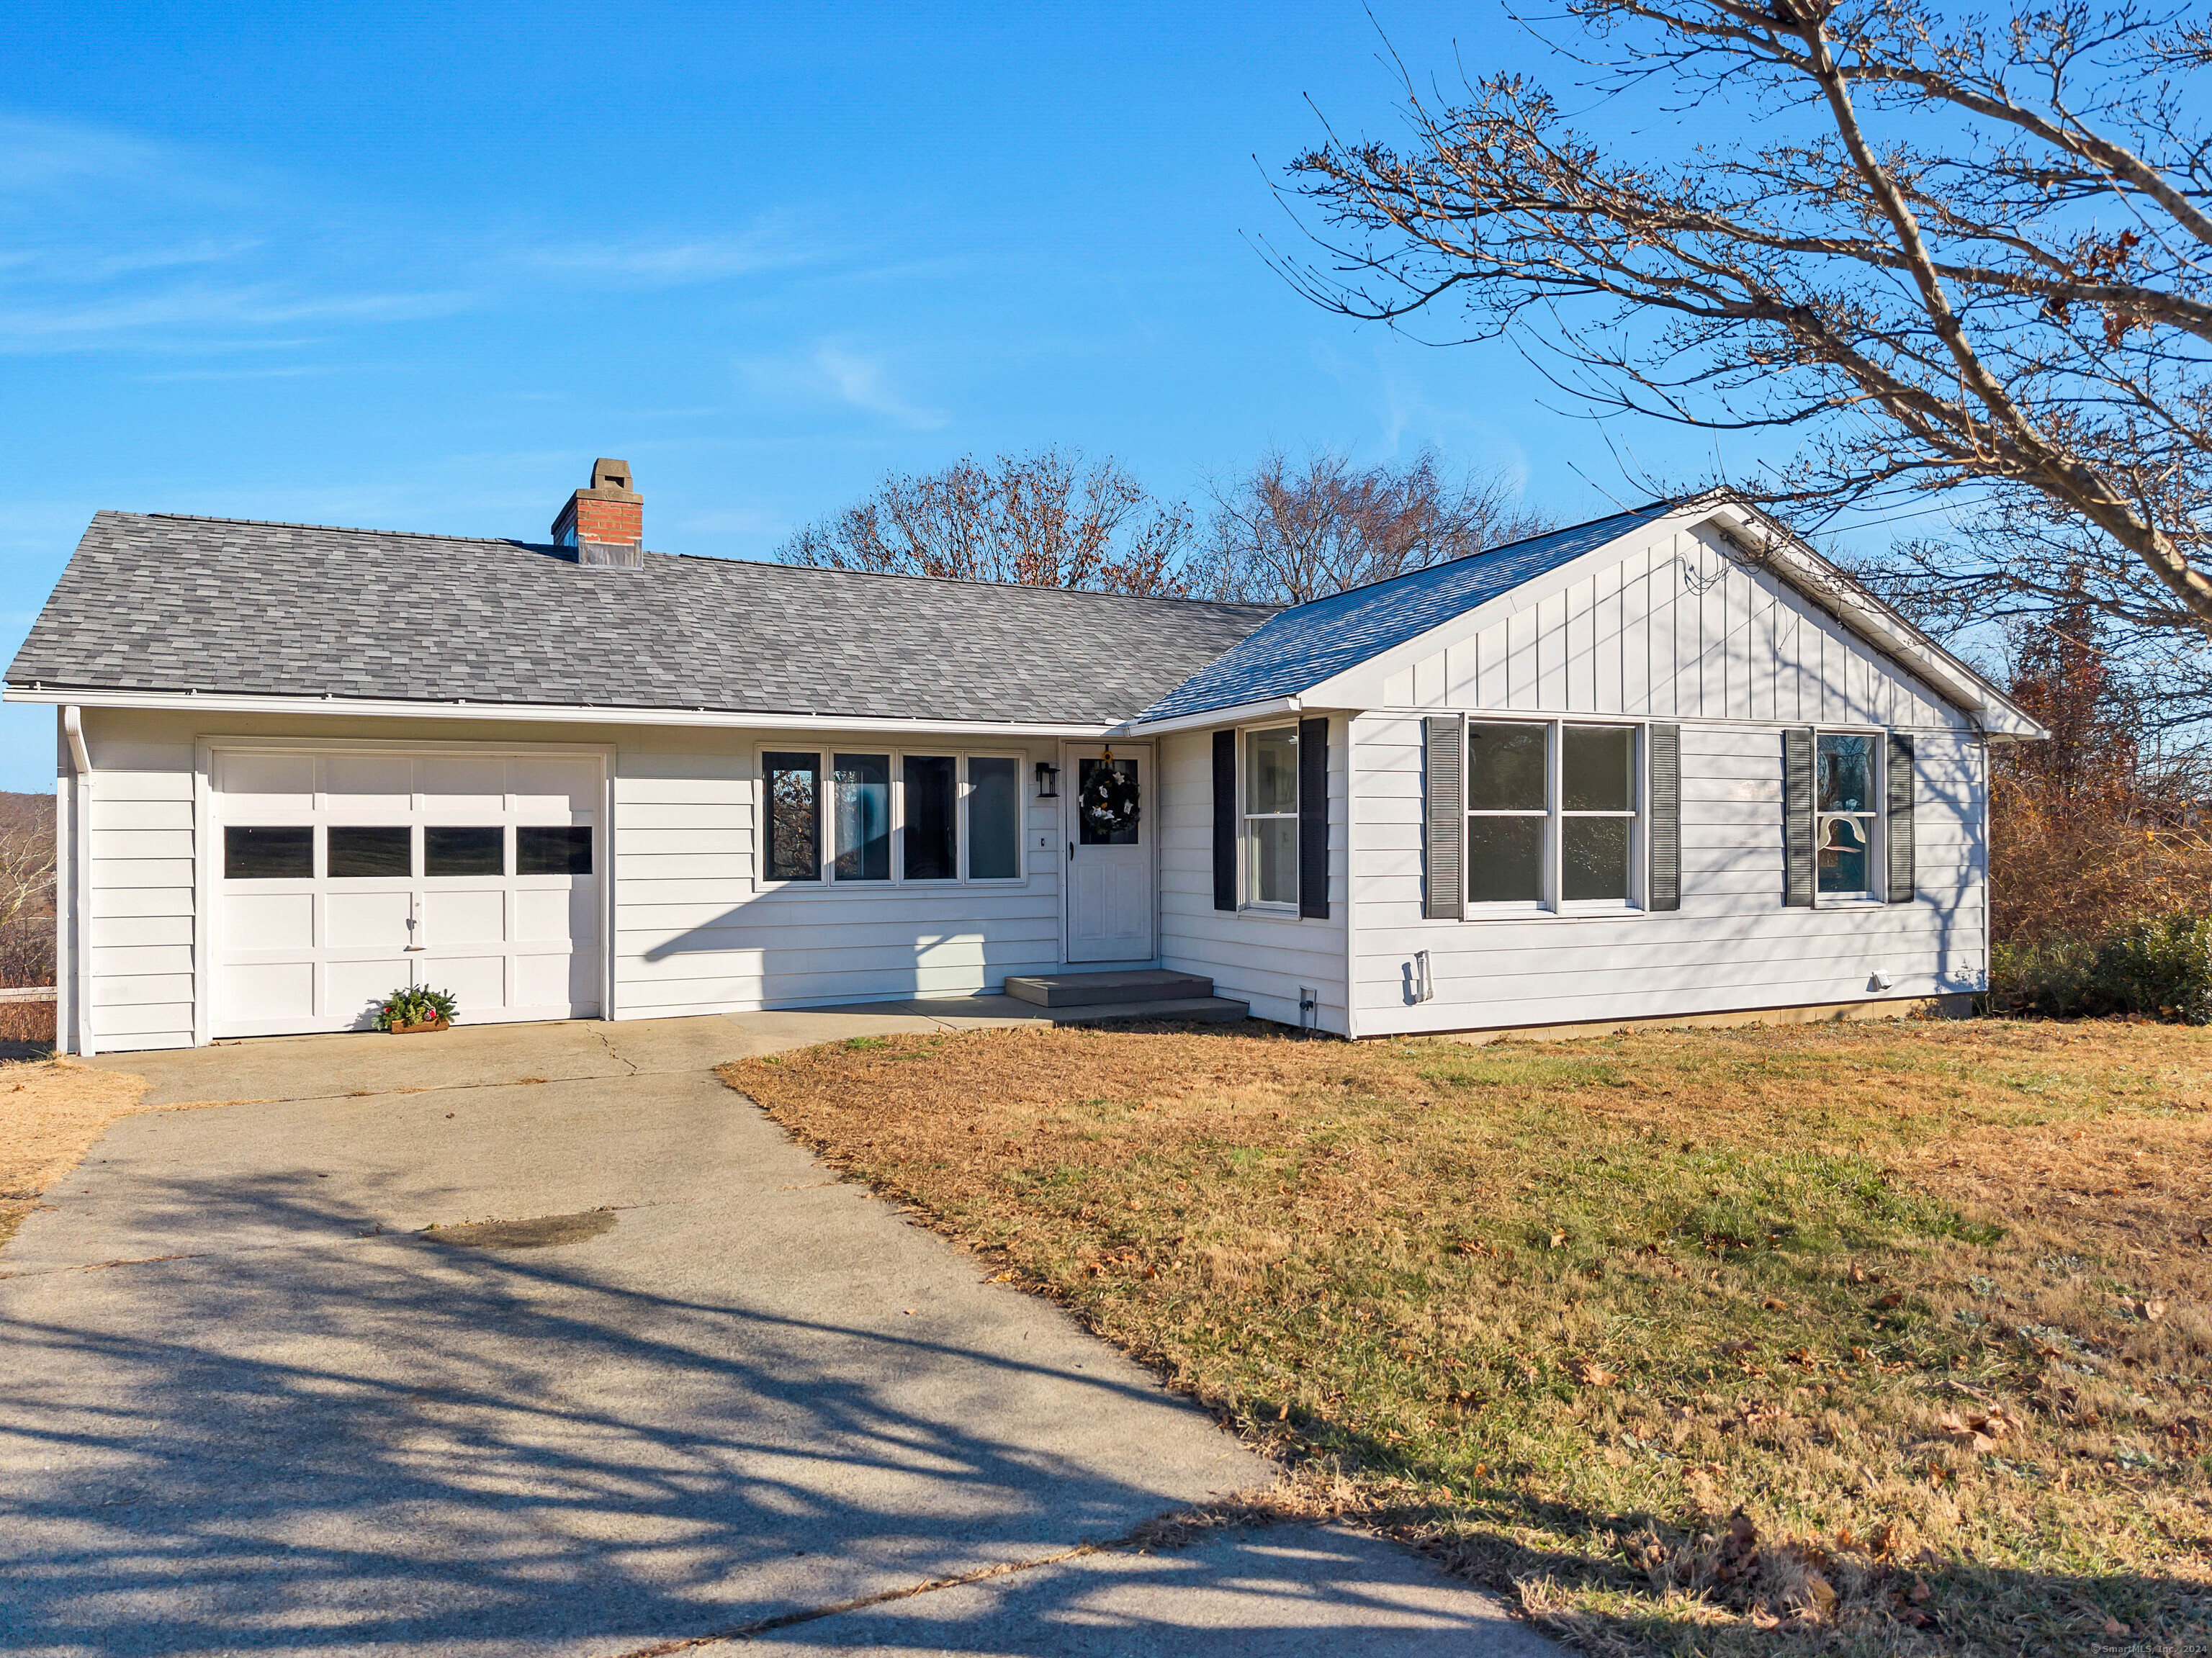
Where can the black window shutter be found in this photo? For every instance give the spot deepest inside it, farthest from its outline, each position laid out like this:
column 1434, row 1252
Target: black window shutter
column 1313, row 818
column 1665, row 889
column 1898, row 777
column 1445, row 818
column 1225, row 820
column 1797, row 817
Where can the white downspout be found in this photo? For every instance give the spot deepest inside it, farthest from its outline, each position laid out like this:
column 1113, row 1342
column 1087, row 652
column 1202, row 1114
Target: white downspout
column 80, row 958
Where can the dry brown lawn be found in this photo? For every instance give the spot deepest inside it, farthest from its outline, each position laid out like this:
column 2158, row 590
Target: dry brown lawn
column 1863, row 1338
column 51, row 1111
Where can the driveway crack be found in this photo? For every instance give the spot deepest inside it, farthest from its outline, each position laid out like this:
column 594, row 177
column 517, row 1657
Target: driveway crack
column 606, row 1041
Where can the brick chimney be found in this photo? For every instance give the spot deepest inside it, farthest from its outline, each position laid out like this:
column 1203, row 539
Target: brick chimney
column 605, row 524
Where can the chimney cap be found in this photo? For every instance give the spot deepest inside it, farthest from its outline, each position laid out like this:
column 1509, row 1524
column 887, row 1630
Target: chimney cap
column 610, row 475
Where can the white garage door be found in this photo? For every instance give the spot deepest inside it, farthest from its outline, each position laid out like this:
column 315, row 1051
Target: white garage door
column 341, row 876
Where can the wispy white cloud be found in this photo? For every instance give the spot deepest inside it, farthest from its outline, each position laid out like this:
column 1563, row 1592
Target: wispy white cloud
column 777, row 242
column 65, row 325
column 840, row 371
column 109, row 241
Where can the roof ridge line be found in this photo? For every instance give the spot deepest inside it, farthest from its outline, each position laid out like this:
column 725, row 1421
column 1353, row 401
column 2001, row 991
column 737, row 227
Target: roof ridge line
column 334, row 529
column 708, row 558
column 1486, row 552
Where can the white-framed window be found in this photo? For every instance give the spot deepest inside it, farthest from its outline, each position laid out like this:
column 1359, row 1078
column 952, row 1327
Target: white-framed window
column 861, row 817
column 1847, row 815
column 1270, row 817
column 1554, row 816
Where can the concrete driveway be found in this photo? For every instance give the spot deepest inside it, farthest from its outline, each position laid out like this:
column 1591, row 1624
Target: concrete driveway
column 249, row 1405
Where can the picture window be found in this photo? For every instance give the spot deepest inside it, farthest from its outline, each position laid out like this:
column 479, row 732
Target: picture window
column 890, row 817
column 1552, row 815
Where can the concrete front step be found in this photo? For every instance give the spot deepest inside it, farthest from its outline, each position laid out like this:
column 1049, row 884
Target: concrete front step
column 1142, row 984
column 1212, row 1009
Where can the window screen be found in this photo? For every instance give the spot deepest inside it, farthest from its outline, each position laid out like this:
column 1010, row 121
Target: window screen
column 267, row 855
column 556, row 849
column 448, row 850
column 1597, row 804
column 794, row 816
column 372, row 850
column 994, row 815
column 927, row 843
column 1271, row 808
column 863, row 798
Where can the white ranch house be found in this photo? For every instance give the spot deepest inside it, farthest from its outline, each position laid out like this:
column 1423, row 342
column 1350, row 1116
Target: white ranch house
column 1664, row 764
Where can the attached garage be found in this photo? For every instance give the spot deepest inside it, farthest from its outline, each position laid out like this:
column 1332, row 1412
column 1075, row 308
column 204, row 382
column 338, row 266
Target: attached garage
column 338, row 873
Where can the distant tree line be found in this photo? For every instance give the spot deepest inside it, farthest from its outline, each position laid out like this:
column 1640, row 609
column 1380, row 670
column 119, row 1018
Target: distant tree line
column 1284, row 531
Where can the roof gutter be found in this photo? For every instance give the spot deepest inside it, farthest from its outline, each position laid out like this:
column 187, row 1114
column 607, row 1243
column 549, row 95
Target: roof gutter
column 550, row 712
column 1237, row 714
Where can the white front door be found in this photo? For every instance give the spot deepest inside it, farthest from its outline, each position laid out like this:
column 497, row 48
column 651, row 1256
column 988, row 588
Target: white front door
column 342, row 875
column 1109, row 870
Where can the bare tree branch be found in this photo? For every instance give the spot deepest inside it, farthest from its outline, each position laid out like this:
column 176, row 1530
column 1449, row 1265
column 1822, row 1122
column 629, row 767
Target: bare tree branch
column 1970, row 266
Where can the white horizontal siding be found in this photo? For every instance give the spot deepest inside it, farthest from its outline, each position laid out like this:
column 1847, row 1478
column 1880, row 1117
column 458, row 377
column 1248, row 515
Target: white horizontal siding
column 1677, row 630
column 141, row 924
column 696, row 933
column 1257, row 956
column 1732, row 945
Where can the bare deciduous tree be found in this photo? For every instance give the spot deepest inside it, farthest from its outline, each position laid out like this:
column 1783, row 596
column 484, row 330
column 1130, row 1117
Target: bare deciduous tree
column 1971, row 263
column 1287, row 531
column 26, row 889
column 1046, row 519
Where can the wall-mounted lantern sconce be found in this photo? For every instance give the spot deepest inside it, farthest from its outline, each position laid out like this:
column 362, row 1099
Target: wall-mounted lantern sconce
column 1048, row 780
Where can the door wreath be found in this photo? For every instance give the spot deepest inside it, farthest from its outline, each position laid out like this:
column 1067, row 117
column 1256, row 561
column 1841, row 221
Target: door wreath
column 1109, row 803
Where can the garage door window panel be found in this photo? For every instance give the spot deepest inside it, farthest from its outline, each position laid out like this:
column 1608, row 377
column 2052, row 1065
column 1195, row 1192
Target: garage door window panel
column 556, row 849
column 457, row 850
column 269, row 852
column 370, row 852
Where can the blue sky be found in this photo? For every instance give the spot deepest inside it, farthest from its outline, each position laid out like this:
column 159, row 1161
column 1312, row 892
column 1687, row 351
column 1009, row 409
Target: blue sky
column 414, row 268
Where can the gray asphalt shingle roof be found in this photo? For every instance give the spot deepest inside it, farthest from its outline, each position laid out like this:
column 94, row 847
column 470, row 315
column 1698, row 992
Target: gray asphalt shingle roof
column 157, row 603
column 1302, row 646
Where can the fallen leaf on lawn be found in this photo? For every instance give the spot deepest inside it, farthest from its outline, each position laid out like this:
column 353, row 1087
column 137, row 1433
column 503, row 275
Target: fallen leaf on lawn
column 1774, row 1304
column 1559, row 1240
column 1733, row 1347
column 2154, row 1310
column 1921, row 1592
column 1823, row 1593
column 1591, row 1374
column 1858, row 1273
column 1959, row 1431
column 2114, row 1626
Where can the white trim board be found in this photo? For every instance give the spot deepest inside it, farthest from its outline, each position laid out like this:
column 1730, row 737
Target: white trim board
column 547, row 713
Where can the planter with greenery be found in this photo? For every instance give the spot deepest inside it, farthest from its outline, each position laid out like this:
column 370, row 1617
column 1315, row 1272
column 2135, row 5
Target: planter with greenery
column 415, row 1007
